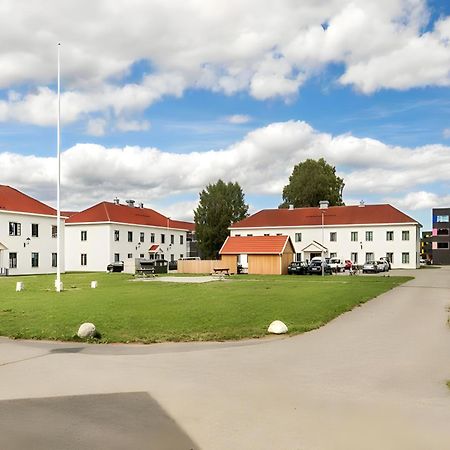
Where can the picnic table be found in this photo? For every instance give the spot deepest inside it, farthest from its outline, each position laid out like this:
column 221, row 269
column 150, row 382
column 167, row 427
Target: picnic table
column 221, row 271
column 148, row 271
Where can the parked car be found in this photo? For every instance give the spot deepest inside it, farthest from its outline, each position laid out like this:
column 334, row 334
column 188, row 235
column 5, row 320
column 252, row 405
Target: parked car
column 383, row 265
column 348, row 264
column 387, row 261
column 298, row 268
column 315, row 267
column 115, row 267
column 336, row 264
column 372, row 266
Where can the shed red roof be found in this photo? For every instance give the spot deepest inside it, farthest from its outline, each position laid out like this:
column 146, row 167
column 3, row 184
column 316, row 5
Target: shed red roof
column 334, row 215
column 264, row 245
column 13, row 200
column 111, row 212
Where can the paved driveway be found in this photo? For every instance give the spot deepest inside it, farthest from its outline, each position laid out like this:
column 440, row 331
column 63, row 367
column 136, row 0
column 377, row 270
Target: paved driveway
column 373, row 378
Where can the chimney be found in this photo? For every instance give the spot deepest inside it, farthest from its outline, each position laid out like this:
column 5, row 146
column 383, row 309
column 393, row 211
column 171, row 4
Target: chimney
column 116, row 201
column 324, row 204
column 130, row 203
column 141, row 205
column 291, row 206
column 362, row 204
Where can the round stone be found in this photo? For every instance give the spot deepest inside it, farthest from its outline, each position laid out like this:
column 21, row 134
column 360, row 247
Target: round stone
column 86, row 330
column 277, row 327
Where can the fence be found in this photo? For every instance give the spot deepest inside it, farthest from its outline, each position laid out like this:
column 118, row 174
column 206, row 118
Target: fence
column 198, row 266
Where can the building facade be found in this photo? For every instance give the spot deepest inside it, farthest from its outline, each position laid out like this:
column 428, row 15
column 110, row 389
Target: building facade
column 113, row 232
column 440, row 239
column 28, row 235
column 357, row 233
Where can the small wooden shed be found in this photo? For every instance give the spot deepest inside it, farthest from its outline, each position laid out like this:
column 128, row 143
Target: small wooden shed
column 263, row 254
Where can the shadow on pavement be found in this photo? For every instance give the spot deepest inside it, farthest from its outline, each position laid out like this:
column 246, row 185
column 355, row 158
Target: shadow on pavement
column 107, row 421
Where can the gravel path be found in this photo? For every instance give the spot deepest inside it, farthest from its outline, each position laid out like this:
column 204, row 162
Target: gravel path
column 373, row 378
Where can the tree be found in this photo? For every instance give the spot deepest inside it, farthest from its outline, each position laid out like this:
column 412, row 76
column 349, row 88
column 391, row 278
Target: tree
column 221, row 204
column 312, row 181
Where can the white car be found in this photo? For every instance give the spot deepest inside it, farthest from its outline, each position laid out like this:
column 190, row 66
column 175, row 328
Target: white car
column 336, row 264
column 383, row 265
column 372, row 266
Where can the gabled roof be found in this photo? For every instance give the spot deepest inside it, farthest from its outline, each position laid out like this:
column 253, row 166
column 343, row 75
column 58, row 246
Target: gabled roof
column 264, row 245
column 111, row 212
column 334, row 215
column 13, row 200
column 314, row 246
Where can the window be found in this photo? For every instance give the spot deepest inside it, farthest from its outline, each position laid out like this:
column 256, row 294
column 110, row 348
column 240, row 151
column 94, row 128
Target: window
column 163, row 238
column 130, row 255
column 172, row 239
column 84, row 259
column 181, row 256
column 84, row 235
column 15, row 229
column 54, row 259
column 116, row 235
column 249, row 234
column 390, row 257
column 354, row 258
column 333, row 236
column 442, row 245
column 389, row 235
column 54, row 231
column 141, row 237
column 354, row 236
column 369, row 257
column 369, row 235
column 181, row 239
column 237, row 234
column 116, row 257
column 151, row 256
column 298, row 237
column 298, row 256
column 442, row 232
column 34, row 230
column 152, row 238
column 141, row 255
column 405, row 235
column 266, row 234
column 13, row 260
column 442, row 218
column 130, row 236
column 34, row 259
column 279, row 234
column 405, row 258
column 333, row 255
column 172, row 258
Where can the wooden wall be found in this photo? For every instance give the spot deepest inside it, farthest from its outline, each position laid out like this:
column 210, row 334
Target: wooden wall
column 207, row 265
column 286, row 258
column 264, row 264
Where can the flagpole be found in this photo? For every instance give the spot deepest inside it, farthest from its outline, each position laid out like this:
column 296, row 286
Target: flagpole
column 58, row 188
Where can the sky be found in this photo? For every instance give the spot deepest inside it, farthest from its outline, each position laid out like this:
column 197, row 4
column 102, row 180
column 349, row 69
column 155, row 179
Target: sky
column 161, row 98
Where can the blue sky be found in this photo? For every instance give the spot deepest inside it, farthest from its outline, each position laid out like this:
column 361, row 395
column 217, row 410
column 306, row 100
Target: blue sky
column 370, row 94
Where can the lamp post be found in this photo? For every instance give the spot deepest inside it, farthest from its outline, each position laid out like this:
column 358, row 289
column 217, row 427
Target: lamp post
column 168, row 245
column 58, row 184
column 323, row 205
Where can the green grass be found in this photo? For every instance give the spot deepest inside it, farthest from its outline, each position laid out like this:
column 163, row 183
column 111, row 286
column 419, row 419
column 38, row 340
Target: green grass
column 127, row 311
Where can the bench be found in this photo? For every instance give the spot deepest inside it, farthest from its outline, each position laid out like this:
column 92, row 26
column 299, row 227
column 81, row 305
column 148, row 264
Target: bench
column 146, row 272
column 221, row 271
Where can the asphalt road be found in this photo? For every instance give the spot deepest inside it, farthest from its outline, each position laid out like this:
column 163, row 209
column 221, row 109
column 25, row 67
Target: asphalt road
column 373, row 378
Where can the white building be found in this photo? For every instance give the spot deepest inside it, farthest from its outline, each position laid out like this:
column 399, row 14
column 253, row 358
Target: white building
column 27, row 234
column 358, row 233
column 113, row 232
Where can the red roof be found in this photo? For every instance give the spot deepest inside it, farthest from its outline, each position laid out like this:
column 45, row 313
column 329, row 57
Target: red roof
column 265, row 245
column 13, row 200
column 334, row 215
column 111, row 212
column 153, row 248
column 68, row 213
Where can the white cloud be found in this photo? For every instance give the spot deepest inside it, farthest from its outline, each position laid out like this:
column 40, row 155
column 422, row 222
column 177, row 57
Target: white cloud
column 96, row 127
column 261, row 162
column 262, row 47
column 421, row 200
column 238, row 119
column 132, row 125
column 446, row 133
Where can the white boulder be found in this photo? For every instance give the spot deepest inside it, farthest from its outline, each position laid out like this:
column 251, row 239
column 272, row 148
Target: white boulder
column 20, row 286
column 86, row 330
column 93, row 284
column 277, row 327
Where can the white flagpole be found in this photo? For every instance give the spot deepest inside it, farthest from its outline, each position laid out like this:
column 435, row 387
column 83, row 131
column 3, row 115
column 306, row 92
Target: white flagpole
column 58, row 206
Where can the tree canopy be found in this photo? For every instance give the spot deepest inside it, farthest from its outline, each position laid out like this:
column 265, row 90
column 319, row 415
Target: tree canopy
column 221, row 204
column 312, row 181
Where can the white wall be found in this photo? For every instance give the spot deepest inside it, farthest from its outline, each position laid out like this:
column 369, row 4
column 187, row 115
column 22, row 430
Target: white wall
column 100, row 246
column 44, row 244
column 344, row 247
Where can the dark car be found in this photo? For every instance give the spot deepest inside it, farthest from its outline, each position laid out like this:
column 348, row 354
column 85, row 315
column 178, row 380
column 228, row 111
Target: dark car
column 315, row 267
column 115, row 267
column 298, row 268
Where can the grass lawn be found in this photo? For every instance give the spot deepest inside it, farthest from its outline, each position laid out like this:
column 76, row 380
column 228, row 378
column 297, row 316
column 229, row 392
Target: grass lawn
column 128, row 311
